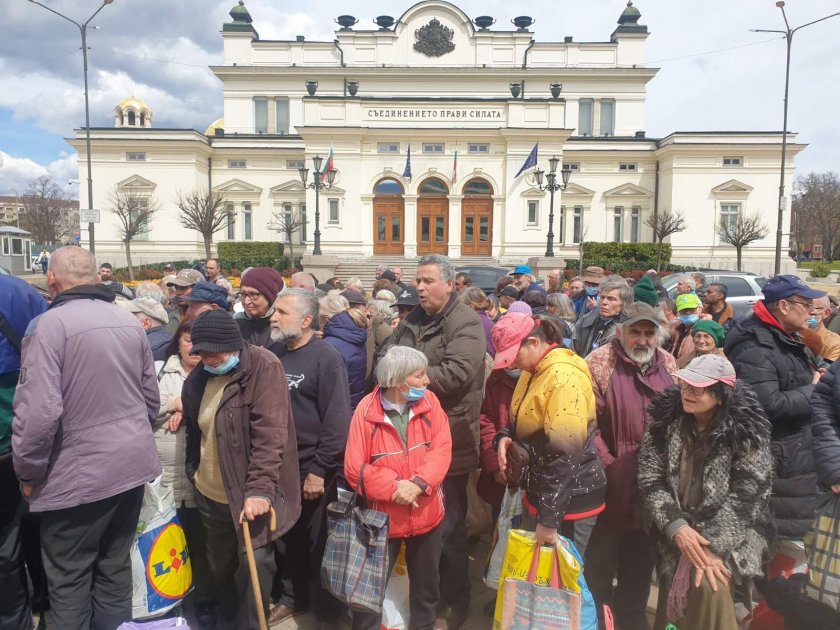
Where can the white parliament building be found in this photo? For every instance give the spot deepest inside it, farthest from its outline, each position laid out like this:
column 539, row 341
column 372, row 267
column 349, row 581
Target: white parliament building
column 437, row 83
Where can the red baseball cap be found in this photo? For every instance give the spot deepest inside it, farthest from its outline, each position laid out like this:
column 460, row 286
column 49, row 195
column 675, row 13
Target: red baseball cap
column 508, row 334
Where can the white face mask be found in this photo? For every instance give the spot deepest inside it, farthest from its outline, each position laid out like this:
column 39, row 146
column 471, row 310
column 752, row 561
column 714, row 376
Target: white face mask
column 513, row 373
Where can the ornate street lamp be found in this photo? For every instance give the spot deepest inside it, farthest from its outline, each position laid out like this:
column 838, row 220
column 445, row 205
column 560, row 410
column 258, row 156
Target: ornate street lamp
column 83, row 31
column 552, row 186
column 317, row 185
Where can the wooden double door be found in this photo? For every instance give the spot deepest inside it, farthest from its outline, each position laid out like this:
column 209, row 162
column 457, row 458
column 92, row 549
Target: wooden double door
column 432, row 225
column 476, row 226
column 388, row 226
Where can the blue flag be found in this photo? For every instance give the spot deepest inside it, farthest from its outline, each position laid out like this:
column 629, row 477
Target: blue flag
column 407, row 169
column 531, row 161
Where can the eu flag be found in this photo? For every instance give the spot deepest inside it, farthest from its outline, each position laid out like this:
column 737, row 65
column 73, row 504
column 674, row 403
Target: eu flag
column 407, row 169
column 531, row 161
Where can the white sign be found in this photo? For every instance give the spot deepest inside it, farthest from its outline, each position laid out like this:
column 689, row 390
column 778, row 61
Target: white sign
column 89, row 216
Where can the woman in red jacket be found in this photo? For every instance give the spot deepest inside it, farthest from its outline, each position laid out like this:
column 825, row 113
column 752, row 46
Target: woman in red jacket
column 398, row 452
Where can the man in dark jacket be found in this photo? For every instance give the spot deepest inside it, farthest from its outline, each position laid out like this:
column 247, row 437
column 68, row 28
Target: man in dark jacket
column 242, row 458
column 19, row 305
column 153, row 318
column 320, row 397
column 450, row 334
column 595, row 329
column 626, row 374
column 767, row 352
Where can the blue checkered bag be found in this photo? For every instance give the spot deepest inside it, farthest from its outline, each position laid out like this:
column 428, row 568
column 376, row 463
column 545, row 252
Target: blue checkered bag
column 355, row 565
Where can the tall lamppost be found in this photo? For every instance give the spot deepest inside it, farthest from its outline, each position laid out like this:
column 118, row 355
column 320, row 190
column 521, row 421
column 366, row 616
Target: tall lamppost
column 318, row 185
column 83, row 31
column 788, row 34
column 552, row 186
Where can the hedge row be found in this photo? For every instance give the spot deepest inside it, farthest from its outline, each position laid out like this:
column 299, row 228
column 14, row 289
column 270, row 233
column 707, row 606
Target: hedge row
column 229, row 250
column 619, row 266
column 231, row 266
column 641, row 253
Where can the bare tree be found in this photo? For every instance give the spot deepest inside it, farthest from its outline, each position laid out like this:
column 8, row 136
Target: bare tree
column 134, row 211
column 664, row 224
column 745, row 229
column 203, row 211
column 47, row 212
column 817, row 216
column 287, row 223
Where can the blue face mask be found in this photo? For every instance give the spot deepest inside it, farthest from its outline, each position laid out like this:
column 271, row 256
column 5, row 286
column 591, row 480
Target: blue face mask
column 223, row 368
column 513, row 373
column 591, row 291
column 689, row 320
column 415, row 394
column 812, row 322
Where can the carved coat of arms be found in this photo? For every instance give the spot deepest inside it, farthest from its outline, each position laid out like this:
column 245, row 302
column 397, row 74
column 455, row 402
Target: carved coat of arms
column 434, row 39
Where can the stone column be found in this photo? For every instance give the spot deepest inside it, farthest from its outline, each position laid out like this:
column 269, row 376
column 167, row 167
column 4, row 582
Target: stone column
column 455, row 225
column 410, row 226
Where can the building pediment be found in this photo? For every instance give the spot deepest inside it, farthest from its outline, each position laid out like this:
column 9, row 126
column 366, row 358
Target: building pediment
column 733, row 186
column 576, row 190
column 628, row 190
column 291, row 186
column 237, row 186
column 135, row 182
column 533, row 191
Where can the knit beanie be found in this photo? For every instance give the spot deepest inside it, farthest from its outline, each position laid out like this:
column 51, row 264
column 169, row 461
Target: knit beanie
column 266, row 280
column 711, row 328
column 215, row 331
column 644, row 291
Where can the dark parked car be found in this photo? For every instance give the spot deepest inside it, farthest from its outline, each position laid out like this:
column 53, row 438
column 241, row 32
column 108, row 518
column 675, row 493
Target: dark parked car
column 484, row 277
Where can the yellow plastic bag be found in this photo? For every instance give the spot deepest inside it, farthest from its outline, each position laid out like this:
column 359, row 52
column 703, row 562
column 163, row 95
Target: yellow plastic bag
column 521, row 547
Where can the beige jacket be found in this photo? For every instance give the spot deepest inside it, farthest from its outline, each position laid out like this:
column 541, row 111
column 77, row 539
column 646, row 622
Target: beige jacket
column 172, row 446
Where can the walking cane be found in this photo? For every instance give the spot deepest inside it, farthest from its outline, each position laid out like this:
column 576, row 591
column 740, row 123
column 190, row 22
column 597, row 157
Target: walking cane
column 252, row 565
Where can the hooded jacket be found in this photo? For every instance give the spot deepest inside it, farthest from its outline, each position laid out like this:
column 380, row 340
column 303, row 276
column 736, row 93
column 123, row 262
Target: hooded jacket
column 734, row 515
column 85, row 403
column 585, row 332
column 376, row 459
column 159, row 339
column 454, row 343
column 780, row 369
column 553, row 412
column 494, row 417
column 346, row 336
column 825, row 424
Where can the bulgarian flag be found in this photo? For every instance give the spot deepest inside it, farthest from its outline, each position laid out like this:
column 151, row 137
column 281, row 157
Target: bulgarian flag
column 328, row 164
column 455, row 166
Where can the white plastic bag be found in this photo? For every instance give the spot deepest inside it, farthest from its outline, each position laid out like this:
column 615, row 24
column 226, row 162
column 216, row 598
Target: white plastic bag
column 160, row 562
column 509, row 518
column 395, row 608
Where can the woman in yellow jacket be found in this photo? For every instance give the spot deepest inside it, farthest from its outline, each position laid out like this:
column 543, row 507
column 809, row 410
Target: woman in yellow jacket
column 548, row 448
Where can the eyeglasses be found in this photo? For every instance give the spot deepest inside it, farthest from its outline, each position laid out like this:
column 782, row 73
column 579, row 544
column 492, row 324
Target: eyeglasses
column 808, row 307
column 691, row 389
column 249, row 295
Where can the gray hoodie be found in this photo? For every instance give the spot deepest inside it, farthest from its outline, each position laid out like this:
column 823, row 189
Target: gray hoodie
column 85, row 403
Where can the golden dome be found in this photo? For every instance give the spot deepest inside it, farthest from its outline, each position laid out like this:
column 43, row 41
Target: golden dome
column 219, row 123
column 133, row 102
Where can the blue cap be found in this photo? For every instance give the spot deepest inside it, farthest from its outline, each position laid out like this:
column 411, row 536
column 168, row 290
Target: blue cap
column 781, row 287
column 522, row 269
column 209, row 292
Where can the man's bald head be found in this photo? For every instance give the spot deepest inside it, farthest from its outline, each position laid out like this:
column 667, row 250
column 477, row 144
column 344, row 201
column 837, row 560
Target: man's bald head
column 70, row 267
column 822, row 303
column 303, row 280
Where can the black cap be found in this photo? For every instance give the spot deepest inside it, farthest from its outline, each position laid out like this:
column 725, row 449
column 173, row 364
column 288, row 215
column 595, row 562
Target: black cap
column 407, row 297
column 388, row 275
column 209, row 292
column 215, row 331
column 510, row 291
column 353, row 297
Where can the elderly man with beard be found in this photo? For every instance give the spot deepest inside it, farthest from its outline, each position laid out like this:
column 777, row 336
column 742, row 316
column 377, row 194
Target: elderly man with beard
column 626, row 374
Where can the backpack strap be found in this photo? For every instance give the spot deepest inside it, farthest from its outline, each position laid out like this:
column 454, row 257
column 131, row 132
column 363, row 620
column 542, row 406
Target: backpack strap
column 10, row 333
column 160, row 371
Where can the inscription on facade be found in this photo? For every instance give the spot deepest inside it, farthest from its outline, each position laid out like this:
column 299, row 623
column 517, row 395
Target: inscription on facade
column 414, row 113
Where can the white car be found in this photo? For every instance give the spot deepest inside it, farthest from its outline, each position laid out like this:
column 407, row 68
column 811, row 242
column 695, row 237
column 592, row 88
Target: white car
column 743, row 289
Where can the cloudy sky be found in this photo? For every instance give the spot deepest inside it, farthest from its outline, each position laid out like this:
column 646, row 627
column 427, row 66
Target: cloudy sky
column 715, row 74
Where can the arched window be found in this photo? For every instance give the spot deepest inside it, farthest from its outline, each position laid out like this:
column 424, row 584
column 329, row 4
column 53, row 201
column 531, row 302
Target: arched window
column 433, row 186
column 388, row 186
column 478, row 187
column 142, row 119
column 131, row 119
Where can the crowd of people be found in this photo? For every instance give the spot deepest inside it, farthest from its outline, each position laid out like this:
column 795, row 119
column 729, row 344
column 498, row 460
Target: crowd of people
column 655, row 434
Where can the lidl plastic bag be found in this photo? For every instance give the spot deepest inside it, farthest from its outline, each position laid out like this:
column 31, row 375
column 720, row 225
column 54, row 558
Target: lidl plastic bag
column 509, row 518
column 160, row 561
column 159, row 624
column 395, row 608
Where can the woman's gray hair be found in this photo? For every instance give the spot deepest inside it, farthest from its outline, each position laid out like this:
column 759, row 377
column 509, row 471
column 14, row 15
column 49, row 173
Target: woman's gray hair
column 689, row 280
column 331, row 305
column 382, row 310
column 447, row 271
column 150, row 290
column 613, row 283
column 385, row 295
column 398, row 364
column 564, row 305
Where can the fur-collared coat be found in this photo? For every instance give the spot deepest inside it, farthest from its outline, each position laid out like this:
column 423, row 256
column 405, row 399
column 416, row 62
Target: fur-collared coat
column 734, row 515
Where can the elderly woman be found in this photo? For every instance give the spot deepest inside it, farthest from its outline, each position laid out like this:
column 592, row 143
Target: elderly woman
column 346, row 331
column 258, row 292
column 382, row 315
column 704, row 476
column 552, row 418
column 596, row 328
column 398, row 452
column 477, row 301
column 708, row 338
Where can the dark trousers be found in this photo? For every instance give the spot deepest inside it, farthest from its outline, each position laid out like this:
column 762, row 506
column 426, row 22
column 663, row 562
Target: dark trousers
column 578, row 531
column 203, row 585
column 422, row 556
column 299, row 555
column 229, row 565
column 86, row 551
column 455, row 556
column 14, row 592
column 628, row 556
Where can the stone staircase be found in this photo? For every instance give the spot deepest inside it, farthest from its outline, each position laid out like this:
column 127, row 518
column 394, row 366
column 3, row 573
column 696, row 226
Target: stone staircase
column 365, row 268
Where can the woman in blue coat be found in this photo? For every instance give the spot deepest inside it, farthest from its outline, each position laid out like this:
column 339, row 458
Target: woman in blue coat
column 346, row 330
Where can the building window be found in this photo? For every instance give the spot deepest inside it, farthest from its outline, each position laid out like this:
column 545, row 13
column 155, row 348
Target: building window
column 618, row 216
column 733, row 161
column 332, row 215
column 281, row 108
column 132, row 119
column 6, row 249
column 585, row 118
column 388, row 147
column 562, row 225
column 17, row 247
column 247, row 230
column 607, row 117
column 295, row 164
column 237, row 163
column 729, row 215
column 533, row 212
column 433, row 149
column 572, row 166
column 260, row 115
column 635, row 225
column 630, row 167
column 143, row 234
column 481, row 149
column 135, row 157
column 303, row 223
column 229, row 211
column 577, row 225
